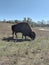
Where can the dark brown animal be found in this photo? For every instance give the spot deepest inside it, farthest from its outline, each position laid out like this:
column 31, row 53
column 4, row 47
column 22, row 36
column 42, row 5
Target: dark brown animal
column 24, row 28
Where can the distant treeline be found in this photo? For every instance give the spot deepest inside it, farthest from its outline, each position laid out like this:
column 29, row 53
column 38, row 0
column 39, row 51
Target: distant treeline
column 29, row 21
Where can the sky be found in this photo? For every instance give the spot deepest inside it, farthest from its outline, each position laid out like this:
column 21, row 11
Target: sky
column 18, row 9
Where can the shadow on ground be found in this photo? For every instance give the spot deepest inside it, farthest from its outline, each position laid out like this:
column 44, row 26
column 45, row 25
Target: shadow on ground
column 8, row 39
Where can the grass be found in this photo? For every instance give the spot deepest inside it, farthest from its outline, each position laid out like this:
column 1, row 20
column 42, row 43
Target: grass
column 34, row 52
column 24, row 53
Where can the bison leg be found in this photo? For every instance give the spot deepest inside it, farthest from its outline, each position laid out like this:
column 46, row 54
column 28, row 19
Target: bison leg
column 15, row 34
column 22, row 36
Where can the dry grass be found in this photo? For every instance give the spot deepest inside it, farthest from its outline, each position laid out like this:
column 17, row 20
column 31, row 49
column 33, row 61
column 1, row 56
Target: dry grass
column 34, row 52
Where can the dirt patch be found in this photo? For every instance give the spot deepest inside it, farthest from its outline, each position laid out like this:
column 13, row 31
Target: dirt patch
column 42, row 29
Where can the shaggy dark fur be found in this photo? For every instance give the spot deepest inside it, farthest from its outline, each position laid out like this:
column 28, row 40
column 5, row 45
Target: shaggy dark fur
column 24, row 28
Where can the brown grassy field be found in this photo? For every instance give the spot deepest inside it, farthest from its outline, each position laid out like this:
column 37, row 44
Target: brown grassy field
column 21, row 52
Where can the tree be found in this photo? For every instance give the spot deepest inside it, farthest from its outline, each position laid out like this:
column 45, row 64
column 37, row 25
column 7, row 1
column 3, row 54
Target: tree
column 4, row 20
column 29, row 21
column 16, row 21
column 41, row 23
column 24, row 20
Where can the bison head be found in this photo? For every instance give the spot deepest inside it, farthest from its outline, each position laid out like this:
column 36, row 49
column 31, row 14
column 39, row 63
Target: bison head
column 33, row 35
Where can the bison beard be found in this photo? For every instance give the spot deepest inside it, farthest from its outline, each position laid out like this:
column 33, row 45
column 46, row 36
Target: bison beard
column 24, row 28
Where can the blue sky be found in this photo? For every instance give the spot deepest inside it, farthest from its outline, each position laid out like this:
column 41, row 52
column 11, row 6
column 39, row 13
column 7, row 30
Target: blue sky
column 18, row 9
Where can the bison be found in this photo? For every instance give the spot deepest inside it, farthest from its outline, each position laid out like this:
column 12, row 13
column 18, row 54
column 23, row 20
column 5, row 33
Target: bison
column 24, row 28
